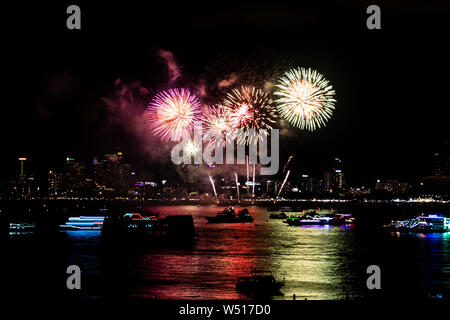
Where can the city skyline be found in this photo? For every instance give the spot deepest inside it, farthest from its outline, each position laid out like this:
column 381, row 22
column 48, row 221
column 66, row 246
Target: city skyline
column 112, row 176
column 382, row 125
column 238, row 158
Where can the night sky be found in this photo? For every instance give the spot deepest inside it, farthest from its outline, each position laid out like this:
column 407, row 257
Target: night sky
column 391, row 84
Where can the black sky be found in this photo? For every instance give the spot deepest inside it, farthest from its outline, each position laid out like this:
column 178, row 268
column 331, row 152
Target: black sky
column 391, row 83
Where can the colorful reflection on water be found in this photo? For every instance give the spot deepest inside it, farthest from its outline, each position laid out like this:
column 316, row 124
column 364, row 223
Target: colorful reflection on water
column 316, row 262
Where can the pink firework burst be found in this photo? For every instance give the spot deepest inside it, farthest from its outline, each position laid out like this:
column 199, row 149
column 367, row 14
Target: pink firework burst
column 172, row 114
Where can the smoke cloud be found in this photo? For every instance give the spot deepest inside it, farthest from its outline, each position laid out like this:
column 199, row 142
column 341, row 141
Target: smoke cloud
column 232, row 78
column 126, row 108
column 172, row 67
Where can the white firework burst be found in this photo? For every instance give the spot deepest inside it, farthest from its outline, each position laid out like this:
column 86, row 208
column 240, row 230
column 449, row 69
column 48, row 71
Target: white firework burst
column 305, row 98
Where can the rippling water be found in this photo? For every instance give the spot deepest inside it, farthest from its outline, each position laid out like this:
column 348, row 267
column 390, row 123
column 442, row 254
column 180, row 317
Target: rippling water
column 316, row 262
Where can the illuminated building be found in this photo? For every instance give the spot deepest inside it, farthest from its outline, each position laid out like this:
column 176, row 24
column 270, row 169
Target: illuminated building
column 112, row 172
column 379, row 185
column 442, row 161
column 338, row 174
column 22, row 159
column 308, row 184
column 55, row 183
column 74, row 176
column 328, row 180
column 393, row 186
column 25, row 186
column 334, row 178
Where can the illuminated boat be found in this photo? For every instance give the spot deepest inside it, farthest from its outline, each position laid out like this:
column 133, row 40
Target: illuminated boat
column 229, row 216
column 83, row 223
column 427, row 224
column 174, row 229
column 331, row 220
column 22, row 227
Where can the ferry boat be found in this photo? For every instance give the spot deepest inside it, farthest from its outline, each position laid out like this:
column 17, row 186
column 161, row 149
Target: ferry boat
column 314, row 219
column 22, row 227
column 430, row 223
column 173, row 229
column 229, row 216
column 83, row 223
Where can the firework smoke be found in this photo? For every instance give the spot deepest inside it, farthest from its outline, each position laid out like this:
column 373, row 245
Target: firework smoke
column 174, row 71
column 232, row 78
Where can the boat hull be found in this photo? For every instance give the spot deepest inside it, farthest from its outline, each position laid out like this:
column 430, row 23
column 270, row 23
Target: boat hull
column 229, row 219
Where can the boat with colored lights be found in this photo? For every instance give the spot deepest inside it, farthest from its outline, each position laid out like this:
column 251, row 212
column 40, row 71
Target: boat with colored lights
column 336, row 219
column 432, row 223
column 83, row 223
column 178, row 229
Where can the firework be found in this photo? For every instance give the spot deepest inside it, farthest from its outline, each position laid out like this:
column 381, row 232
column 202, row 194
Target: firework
column 192, row 148
column 305, row 98
column 237, row 185
column 246, row 162
column 253, row 184
column 216, row 120
column 287, row 163
column 214, row 187
column 250, row 108
column 282, row 185
column 173, row 113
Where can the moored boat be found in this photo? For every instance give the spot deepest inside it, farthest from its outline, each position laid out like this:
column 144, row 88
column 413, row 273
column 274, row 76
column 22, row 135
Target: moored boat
column 259, row 286
column 432, row 223
column 83, row 223
column 173, row 229
column 280, row 215
column 315, row 219
column 229, row 216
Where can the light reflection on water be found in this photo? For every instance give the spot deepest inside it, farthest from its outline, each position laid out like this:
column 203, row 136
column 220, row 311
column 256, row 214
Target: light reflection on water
column 316, row 262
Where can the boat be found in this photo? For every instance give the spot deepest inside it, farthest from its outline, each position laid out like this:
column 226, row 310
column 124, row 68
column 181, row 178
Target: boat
column 259, row 286
column 316, row 219
column 280, row 215
column 229, row 215
column 174, row 229
column 22, row 227
column 431, row 223
column 83, row 223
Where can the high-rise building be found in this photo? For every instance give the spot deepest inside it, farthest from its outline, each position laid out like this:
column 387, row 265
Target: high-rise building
column 338, row 173
column 308, row 184
column 334, row 178
column 25, row 185
column 328, row 180
column 442, row 161
column 113, row 172
column 55, row 184
column 22, row 170
column 74, row 176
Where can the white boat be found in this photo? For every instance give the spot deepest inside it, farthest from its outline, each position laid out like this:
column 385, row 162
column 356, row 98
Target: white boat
column 83, row 223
